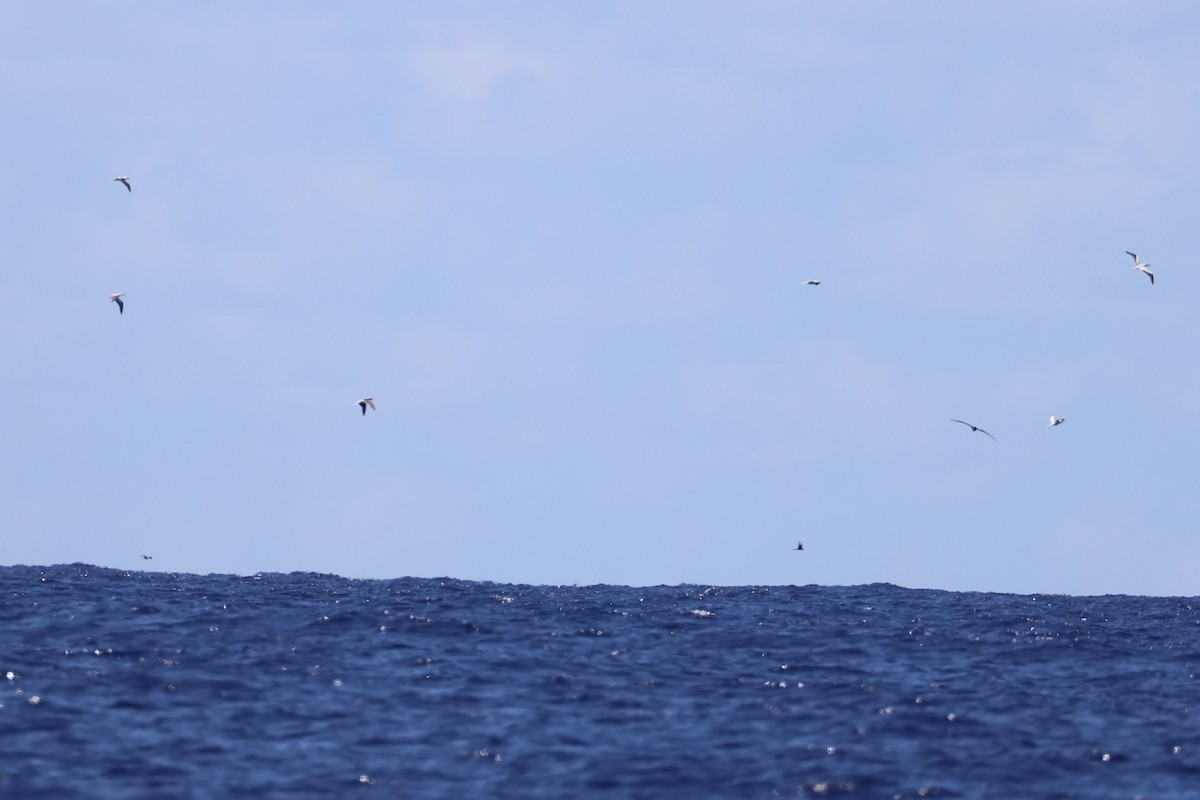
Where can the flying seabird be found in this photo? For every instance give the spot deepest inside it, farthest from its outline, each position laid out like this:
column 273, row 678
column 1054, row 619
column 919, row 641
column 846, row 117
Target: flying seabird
column 1056, row 421
column 811, row 283
column 116, row 298
column 366, row 401
column 799, row 545
column 1138, row 265
column 147, row 557
column 975, row 428
column 125, row 181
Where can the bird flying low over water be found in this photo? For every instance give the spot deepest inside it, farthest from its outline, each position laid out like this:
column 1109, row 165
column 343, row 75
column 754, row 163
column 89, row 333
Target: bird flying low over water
column 975, row 428
column 125, row 181
column 366, row 401
column 1056, row 421
column 799, row 545
column 116, row 298
column 811, row 283
column 1141, row 267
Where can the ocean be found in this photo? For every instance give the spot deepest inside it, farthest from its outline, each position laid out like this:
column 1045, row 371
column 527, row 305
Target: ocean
column 117, row 684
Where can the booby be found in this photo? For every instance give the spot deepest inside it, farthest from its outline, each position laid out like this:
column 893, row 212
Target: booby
column 125, row 181
column 975, row 428
column 116, row 298
column 366, row 401
column 811, row 283
column 1056, row 421
column 1141, row 267
column 799, row 545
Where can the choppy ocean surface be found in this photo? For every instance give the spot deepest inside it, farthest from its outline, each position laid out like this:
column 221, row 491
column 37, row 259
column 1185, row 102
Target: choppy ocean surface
column 152, row 685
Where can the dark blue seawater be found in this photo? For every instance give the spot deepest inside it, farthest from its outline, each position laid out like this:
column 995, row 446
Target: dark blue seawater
column 150, row 685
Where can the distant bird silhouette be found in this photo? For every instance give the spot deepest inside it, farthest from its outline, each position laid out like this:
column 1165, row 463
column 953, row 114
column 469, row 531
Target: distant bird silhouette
column 125, row 181
column 1141, row 267
column 147, row 557
column 116, row 298
column 366, row 401
column 799, row 545
column 975, row 428
column 811, row 283
column 1056, row 421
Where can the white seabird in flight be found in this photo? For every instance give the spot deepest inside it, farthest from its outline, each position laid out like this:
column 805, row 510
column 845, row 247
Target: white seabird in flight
column 975, row 428
column 811, row 283
column 125, row 181
column 116, row 298
column 1141, row 267
column 366, row 401
column 1056, row 421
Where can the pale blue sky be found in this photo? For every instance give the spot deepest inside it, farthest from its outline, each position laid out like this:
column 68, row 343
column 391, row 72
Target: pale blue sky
column 562, row 245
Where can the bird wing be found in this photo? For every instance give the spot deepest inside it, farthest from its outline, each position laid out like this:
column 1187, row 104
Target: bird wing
column 120, row 305
column 1132, row 254
column 974, row 428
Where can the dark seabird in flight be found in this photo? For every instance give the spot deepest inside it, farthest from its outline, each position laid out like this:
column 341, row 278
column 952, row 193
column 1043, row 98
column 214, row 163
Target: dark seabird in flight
column 147, row 557
column 799, row 545
column 811, row 283
column 975, row 428
column 125, row 181
column 366, row 401
column 1141, row 267
column 116, row 298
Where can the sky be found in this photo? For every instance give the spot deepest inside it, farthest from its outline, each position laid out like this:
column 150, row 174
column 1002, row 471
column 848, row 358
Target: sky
column 563, row 246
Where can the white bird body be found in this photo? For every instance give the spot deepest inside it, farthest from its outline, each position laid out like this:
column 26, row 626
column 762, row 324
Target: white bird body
column 1056, row 421
column 125, row 181
column 116, row 298
column 1141, row 266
